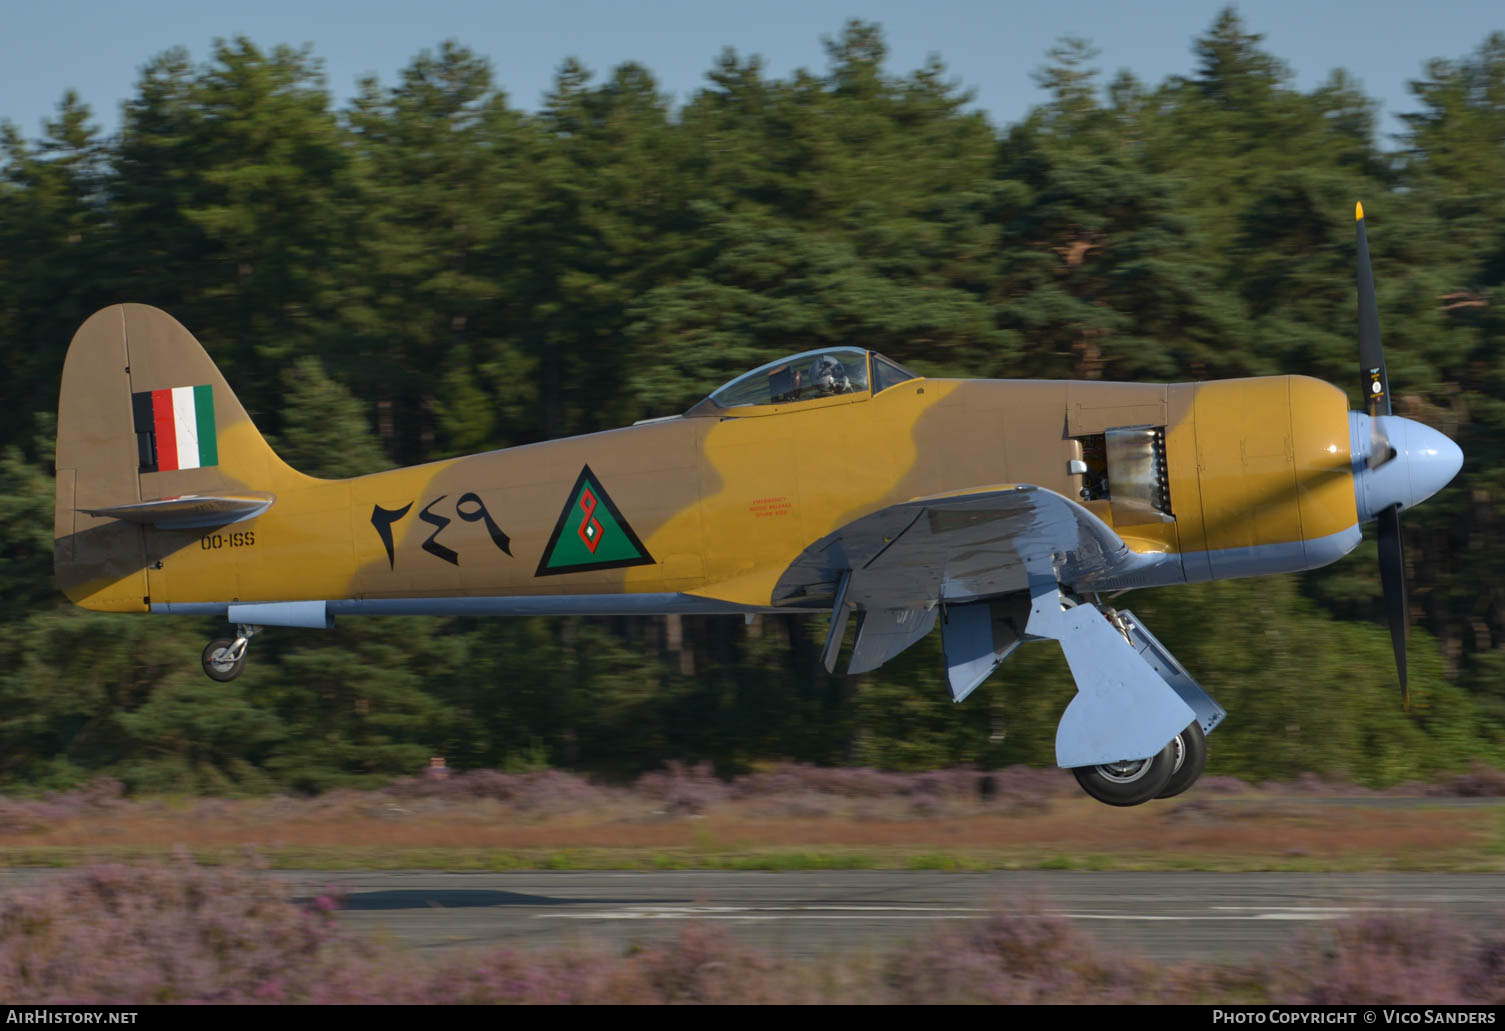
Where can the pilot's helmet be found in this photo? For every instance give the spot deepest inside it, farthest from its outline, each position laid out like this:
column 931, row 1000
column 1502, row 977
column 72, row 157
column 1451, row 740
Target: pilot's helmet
column 827, row 374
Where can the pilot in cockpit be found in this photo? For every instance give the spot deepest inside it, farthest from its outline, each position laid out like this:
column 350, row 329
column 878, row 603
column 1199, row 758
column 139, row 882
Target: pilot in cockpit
column 828, row 377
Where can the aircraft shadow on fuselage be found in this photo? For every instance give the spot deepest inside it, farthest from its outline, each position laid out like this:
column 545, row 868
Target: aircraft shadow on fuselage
column 84, row 549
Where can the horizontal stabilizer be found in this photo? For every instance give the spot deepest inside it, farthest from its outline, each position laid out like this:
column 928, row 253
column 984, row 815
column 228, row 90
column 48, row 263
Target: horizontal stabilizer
column 188, row 511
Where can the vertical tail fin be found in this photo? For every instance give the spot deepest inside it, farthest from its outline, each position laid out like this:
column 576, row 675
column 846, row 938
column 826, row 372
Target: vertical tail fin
column 143, row 415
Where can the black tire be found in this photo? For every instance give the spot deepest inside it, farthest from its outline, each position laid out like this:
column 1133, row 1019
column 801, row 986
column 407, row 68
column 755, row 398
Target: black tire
column 215, row 666
column 1131, row 782
column 1193, row 760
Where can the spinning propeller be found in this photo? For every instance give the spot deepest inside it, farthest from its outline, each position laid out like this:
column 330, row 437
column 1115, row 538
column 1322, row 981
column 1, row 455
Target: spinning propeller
column 1377, row 394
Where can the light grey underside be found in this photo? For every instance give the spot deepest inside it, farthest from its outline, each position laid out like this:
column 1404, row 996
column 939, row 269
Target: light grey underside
column 884, row 633
column 960, row 548
column 291, row 613
column 900, row 563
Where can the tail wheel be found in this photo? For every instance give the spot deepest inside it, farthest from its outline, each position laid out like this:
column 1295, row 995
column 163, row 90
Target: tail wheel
column 220, row 661
column 1130, row 782
column 1191, row 759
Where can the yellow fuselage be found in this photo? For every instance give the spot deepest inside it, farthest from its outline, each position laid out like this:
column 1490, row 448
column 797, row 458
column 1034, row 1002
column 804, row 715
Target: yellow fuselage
column 723, row 502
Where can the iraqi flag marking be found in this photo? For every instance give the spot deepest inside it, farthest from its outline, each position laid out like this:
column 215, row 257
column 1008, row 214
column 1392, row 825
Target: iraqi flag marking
column 175, row 428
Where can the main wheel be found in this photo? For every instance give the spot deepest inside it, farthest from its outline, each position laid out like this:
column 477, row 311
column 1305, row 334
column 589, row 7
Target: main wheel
column 1129, row 782
column 217, row 661
column 1191, row 759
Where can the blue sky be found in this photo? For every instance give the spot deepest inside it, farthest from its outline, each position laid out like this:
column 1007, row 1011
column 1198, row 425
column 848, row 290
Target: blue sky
column 98, row 47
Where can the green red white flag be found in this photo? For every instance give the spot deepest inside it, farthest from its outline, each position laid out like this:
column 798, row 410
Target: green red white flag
column 175, row 428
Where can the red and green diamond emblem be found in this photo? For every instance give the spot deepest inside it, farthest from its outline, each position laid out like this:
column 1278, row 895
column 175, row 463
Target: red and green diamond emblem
column 591, row 533
column 590, row 526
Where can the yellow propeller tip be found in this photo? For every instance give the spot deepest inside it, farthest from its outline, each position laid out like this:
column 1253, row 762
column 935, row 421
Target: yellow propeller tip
column 1358, row 212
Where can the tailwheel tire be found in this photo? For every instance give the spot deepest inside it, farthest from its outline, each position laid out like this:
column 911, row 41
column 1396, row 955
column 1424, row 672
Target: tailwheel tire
column 1130, row 782
column 1191, row 759
column 218, row 664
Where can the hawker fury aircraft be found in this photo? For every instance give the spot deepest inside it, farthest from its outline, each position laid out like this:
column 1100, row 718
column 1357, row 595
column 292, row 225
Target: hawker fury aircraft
column 833, row 481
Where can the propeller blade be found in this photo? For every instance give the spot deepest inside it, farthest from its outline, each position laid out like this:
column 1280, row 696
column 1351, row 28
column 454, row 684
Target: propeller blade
column 1371, row 354
column 1377, row 400
column 1393, row 577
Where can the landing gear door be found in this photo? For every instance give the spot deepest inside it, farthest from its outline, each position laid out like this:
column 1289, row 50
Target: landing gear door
column 1209, row 713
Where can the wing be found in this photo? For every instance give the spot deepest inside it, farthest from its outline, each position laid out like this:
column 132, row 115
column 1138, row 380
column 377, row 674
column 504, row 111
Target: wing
column 997, row 557
column 960, row 547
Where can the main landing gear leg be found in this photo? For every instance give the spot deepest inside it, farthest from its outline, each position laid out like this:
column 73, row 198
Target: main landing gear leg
column 223, row 658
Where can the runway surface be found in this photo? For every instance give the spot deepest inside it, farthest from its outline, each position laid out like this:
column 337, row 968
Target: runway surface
column 1160, row 916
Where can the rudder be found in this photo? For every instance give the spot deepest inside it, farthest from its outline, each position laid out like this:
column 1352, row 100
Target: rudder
column 143, row 414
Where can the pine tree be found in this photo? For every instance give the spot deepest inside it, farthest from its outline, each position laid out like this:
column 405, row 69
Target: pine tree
column 433, row 294
column 55, row 244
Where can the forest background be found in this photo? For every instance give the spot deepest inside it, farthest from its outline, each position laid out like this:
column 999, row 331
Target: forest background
column 430, row 271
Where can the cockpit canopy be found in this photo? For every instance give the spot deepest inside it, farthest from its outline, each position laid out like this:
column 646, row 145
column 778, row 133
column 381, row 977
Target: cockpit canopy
column 830, row 372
